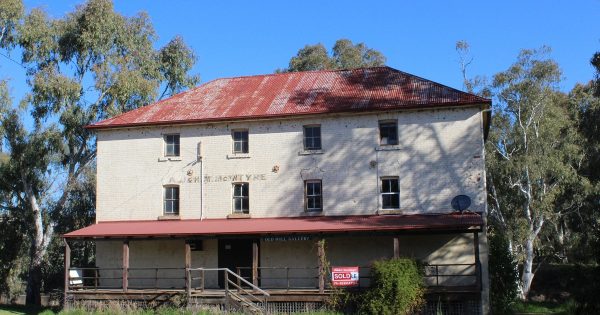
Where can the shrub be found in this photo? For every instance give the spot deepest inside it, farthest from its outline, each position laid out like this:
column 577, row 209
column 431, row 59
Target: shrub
column 587, row 298
column 397, row 288
column 503, row 274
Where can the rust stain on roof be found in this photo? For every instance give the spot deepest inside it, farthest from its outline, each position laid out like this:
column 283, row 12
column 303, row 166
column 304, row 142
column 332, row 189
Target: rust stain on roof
column 293, row 94
column 291, row 225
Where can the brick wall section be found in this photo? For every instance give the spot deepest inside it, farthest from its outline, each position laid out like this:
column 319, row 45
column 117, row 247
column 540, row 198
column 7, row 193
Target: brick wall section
column 439, row 156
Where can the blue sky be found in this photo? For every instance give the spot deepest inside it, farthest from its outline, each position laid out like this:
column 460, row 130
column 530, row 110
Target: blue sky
column 249, row 37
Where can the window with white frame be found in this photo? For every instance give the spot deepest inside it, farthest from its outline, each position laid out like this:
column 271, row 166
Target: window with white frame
column 390, row 193
column 313, row 196
column 240, row 141
column 241, row 200
column 312, row 137
column 171, row 145
column 388, row 132
column 171, row 200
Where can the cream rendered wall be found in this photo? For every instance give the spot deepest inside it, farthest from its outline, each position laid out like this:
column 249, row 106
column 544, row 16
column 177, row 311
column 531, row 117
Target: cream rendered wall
column 301, row 256
column 147, row 254
column 439, row 155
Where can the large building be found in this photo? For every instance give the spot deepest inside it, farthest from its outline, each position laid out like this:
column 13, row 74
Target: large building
column 280, row 177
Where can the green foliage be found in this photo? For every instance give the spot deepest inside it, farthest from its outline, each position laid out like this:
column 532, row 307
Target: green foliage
column 595, row 61
column 565, row 308
column 587, row 299
column 176, row 60
column 344, row 55
column 397, row 288
column 574, row 284
column 533, row 157
column 503, row 274
column 311, row 57
column 89, row 65
column 478, row 84
column 11, row 11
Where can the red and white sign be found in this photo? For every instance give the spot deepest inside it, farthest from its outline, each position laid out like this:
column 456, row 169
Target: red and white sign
column 344, row 276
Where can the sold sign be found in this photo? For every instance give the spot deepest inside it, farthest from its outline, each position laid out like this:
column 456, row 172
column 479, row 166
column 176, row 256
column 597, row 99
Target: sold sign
column 344, row 276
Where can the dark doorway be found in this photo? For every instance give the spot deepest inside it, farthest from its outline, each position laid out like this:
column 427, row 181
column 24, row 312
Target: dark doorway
column 234, row 253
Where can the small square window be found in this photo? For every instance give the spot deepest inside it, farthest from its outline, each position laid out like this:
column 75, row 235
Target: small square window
column 171, row 200
column 312, row 137
column 171, row 145
column 390, row 193
column 240, row 141
column 313, row 196
column 241, row 200
column 388, row 132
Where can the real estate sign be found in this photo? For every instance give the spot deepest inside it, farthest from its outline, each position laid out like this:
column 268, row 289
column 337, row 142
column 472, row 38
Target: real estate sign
column 344, row 276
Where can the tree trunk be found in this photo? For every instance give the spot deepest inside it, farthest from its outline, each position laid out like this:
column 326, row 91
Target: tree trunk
column 34, row 279
column 39, row 245
column 527, row 276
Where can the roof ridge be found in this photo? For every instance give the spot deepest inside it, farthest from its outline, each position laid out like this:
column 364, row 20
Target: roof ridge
column 294, row 72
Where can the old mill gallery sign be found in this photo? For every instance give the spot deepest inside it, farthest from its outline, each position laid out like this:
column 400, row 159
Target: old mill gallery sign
column 344, row 276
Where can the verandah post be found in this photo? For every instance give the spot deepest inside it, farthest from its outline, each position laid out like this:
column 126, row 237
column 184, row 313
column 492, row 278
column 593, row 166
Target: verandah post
column 321, row 258
column 255, row 263
column 477, row 261
column 188, row 264
column 67, row 269
column 125, row 264
column 396, row 247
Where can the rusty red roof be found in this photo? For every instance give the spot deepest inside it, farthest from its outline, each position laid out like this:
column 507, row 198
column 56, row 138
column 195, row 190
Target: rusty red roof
column 290, row 225
column 296, row 93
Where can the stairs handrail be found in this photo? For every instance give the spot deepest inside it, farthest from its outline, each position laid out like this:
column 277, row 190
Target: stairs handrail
column 255, row 288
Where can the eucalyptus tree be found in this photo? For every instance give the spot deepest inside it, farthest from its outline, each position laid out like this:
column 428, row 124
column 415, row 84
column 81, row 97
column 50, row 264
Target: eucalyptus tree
column 533, row 156
column 344, row 55
column 11, row 12
column 91, row 64
column 595, row 61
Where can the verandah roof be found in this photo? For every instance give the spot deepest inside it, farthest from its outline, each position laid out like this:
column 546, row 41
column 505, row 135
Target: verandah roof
column 278, row 226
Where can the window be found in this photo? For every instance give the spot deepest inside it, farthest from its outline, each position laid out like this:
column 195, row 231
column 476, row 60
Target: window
column 171, row 206
column 388, row 132
column 240, row 141
column 312, row 137
column 390, row 193
column 172, row 145
column 240, row 198
column 313, row 195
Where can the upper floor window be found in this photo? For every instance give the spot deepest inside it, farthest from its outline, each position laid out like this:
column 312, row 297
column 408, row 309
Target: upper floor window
column 171, row 200
column 388, row 132
column 313, row 195
column 240, row 141
column 241, row 198
column 312, row 137
column 171, row 145
column 390, row 193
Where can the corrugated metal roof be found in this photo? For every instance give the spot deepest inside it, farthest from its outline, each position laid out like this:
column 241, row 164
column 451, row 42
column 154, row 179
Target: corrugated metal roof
column 266, row 226
column 296, row 93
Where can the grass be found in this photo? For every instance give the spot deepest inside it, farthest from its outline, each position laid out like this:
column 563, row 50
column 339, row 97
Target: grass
column 24, row 310
column 544, row 308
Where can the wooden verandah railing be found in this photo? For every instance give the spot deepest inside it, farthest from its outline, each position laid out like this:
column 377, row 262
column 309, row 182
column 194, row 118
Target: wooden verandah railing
column 443, row 277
